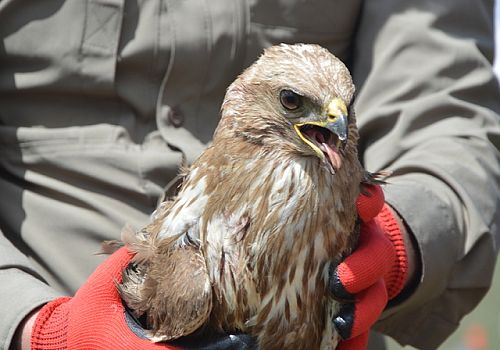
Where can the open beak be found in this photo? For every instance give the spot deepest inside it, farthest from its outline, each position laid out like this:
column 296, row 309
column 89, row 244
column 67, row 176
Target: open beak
column 328, row 136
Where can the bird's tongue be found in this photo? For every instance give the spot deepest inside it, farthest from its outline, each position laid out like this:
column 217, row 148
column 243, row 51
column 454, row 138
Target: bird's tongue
column 327, row 146
column 331, row 152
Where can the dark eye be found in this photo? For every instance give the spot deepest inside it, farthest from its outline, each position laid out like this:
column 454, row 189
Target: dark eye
column 290, row 100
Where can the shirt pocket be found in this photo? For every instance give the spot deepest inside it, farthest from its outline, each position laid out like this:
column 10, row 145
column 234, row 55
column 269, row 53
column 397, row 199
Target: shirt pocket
column 333, row 17
column 98, row 158
column 61, row 44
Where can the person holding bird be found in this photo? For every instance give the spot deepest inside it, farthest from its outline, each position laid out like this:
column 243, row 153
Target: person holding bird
column 102, row 103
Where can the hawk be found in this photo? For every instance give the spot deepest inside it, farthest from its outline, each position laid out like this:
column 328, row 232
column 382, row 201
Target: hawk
column 262, row 216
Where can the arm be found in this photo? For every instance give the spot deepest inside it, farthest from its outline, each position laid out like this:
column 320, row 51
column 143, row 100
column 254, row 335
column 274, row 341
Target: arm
column 427, row 111
column 22, row 337
column 24, row 292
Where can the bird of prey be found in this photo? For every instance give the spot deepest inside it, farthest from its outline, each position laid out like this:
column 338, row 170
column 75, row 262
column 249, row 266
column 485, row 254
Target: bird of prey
column 262, row 216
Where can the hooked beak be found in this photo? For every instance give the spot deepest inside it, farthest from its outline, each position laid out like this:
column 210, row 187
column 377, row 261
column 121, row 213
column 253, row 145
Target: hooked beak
column 337, row 119
column 329, row 135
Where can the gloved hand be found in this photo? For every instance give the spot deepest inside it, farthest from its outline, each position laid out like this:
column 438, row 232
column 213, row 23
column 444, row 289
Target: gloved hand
column 373, row 274
column 95, row 318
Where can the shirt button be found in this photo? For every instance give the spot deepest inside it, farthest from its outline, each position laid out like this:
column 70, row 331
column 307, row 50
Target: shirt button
column 176, row 117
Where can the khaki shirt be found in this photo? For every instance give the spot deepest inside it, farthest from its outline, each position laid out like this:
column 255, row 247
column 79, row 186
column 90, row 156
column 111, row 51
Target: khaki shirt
column 102, row 100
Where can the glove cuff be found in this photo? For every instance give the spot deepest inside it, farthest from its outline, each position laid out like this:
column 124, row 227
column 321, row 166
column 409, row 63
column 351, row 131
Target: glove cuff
column 396, row 277
column 50, row 329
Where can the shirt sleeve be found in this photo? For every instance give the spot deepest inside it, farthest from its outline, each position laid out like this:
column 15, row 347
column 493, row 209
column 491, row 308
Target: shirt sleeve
column 427, row 110
column 24, row 291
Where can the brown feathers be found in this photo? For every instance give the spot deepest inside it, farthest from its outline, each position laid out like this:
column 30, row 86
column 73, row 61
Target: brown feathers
column 177, row 294
column 262, row 214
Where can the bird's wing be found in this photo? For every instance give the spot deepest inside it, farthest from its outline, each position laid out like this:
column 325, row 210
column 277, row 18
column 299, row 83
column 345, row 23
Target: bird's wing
column 183, row 293
column 173, row 289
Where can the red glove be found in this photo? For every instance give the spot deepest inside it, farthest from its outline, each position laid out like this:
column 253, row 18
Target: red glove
column 94, row 318
column 373, row 274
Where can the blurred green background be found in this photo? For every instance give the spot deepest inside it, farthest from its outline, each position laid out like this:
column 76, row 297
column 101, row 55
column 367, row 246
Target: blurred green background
column 480, row 330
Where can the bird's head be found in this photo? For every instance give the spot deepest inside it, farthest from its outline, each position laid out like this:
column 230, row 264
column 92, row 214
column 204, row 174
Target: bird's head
column 294, row 99
column 325, row 132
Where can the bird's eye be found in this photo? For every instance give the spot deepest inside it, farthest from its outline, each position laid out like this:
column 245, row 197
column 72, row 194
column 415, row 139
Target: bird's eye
column 290, row 100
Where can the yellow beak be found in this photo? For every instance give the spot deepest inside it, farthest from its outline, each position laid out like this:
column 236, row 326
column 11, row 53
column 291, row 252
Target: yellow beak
column 335, row 121
column 337, row 118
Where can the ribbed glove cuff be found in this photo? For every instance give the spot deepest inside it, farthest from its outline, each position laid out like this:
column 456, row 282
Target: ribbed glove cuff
column 396, row 277
column 51, row 326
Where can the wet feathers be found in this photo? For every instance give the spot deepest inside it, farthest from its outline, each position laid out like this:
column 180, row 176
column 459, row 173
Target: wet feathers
column 261, row 215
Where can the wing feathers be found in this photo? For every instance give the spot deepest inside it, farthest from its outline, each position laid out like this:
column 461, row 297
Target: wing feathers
column 179, row 293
